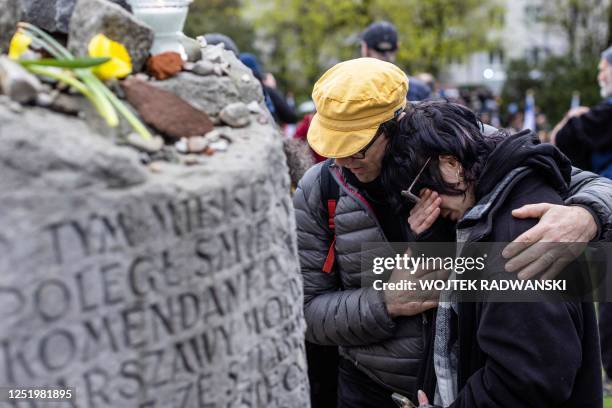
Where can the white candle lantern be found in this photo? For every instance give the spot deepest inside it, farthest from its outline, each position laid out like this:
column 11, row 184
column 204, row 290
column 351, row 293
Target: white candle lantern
column 167, row 19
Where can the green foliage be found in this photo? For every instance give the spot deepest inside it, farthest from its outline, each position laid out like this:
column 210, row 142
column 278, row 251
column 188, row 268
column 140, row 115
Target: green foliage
column 298, row 40
column 557, row 78
column 79, row 62
column 309, row 37
column 587, row 27
column 586, row 24
column 220, row 16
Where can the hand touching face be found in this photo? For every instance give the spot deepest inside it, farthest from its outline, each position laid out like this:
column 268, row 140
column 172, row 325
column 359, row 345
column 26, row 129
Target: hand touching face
column 425, row 212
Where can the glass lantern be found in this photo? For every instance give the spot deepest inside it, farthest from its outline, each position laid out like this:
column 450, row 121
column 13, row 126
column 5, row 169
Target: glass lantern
column 167, row 19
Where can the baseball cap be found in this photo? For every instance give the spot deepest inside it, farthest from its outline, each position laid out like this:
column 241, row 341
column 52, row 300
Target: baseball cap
column 353, row 98
column 381, row 36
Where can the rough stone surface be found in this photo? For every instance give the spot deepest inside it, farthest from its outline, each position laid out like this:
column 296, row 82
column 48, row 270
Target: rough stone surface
column 53, row 15
column 17, row 83
column 92, row 17
column 138, row 287
column 213, row 93
column 68, row 104
column 165, row 111
column 10, row 15
column 236, row 115
column 192, row 48
column 203, row 68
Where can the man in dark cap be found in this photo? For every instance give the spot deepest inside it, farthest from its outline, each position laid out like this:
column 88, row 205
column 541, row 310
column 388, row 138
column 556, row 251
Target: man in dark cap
column 379, row 40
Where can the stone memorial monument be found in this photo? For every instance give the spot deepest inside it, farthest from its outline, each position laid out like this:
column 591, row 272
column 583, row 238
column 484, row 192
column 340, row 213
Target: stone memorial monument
column 142, row 283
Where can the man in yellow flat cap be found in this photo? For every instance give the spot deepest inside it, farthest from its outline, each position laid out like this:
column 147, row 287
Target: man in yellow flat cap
column 340, row 204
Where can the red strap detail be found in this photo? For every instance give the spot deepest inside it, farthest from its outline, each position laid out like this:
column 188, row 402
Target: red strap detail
column 331, row 213
column 331, row 253
column 331, row 257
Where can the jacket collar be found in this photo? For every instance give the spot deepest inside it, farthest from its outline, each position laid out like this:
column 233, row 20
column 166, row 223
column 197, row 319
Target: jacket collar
column 478, row 221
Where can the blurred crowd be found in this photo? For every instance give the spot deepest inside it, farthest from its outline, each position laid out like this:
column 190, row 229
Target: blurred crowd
column 380, row 40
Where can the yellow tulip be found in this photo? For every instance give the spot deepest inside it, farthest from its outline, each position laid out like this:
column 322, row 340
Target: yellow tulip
column 120, row 64
column 19, row 44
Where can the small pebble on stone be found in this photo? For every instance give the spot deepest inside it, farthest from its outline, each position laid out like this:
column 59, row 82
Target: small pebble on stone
column 142, row 76
column 262, row 119
column 16, row 82
column 191, row 160
column 220, row 145
column 182, row 146
column 149, row 146
column 221, row 69
column 236, row 115
column 203, row 68
column 202, row 40
column 214, row 53
column 197, row 144
column 254, row 107
column 44, row 100
column 155, row 167
column 67, row 104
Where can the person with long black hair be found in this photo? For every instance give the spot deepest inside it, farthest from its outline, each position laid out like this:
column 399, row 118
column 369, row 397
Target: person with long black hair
column 493, row 354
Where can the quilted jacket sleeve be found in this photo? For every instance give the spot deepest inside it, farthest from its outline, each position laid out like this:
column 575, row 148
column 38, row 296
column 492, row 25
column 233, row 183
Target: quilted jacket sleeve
column 349, row 317
column 595, row 193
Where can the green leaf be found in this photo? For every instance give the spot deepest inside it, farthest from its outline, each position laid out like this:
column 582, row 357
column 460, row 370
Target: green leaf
column 81, row 62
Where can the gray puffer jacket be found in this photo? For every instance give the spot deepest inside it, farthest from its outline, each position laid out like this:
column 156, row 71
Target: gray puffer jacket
column 340, row 312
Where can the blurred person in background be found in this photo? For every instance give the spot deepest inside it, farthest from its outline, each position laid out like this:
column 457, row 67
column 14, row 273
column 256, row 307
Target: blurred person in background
column 430, row 81
column 379, row 40
column 542, row 127
column 515, row 122
column 585, row 136
column 218, row 38
column 282, row 112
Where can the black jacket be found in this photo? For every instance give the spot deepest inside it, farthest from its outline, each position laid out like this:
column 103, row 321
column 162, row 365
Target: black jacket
column 587, row 134
column 523, row 354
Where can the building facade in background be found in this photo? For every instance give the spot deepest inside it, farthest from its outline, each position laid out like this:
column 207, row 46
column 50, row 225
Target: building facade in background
column 524, row 35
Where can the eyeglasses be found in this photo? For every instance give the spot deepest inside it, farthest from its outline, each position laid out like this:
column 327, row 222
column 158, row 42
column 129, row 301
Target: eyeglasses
column 408, row 192
column 360, row 155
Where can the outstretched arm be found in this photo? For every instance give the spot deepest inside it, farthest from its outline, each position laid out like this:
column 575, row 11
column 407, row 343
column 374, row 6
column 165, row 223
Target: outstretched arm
column 586, row 216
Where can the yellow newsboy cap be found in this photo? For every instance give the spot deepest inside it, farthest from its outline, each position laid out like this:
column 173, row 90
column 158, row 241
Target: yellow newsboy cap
column 353, row 99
